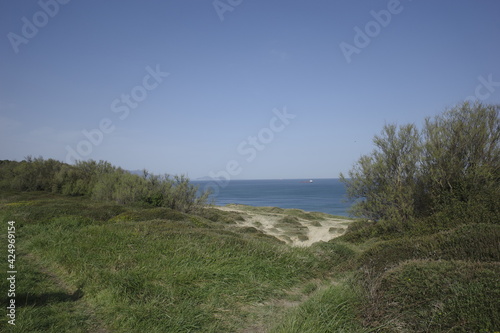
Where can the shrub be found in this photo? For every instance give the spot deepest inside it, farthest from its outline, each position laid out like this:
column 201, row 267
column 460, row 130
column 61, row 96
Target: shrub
column 468, row 242
column 437, row 296
column 102, row 182
column 451, row 166
column 217, row 215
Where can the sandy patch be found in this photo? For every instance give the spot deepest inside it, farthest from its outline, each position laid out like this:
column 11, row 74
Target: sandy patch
column 286, row 225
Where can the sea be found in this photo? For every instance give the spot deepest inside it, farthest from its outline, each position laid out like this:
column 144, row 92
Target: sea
column 320, row 195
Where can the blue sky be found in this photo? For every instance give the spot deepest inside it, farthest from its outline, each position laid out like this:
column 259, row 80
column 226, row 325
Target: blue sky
column 253, row 89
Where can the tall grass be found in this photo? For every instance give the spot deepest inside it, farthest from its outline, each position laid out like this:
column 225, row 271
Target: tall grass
column 329, row 309
column 439, row 296
column 143, row 270
column 87, row 266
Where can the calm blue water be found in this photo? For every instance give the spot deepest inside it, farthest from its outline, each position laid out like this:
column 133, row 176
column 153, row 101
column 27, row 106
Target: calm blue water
column 323, row 195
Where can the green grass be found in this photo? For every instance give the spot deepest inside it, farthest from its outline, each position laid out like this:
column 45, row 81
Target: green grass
column 44, row 304
column 147, row 270
column 86, row 266
column 329, row 309
column 476, row 242
column 439, row 296
column 441, row 282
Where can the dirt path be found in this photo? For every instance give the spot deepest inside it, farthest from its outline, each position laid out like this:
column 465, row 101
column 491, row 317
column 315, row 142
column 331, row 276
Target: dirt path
column 295, row 227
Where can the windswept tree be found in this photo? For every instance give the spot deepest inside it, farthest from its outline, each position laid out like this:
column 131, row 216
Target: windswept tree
column 385, row 182
column 451, row 166
column 461, row 160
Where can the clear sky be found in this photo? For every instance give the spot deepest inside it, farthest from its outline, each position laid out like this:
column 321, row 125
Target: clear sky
column 254, row 88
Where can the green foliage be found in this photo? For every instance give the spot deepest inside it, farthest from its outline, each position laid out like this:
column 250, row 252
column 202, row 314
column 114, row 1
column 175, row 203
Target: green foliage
column 45, row 304
column 101, row 181
column 289, row 221
column 335, row 255
column 140, row 269
column 438, row 296
column 385, row 179
column 479, row 242
column 451, row 166
column 217, row 215
column 121, row 252
column 332, row 309
column 33, row 174
column 430, row 239
column 461, row 166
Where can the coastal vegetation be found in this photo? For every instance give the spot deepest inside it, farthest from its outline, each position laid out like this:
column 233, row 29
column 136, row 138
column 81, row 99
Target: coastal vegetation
column 99, row 249
column 430, row 236
column 450, row 169
column 101, row 181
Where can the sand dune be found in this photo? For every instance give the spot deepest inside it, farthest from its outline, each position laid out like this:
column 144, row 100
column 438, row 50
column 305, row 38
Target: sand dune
column 293, row 226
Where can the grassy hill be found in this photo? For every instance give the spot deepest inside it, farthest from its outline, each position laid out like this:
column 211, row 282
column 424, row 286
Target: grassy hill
column 98, row 267
column 87, row 266
column 99, row 249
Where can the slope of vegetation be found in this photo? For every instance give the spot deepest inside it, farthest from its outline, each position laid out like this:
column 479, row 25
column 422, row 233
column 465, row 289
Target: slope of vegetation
column 101, row 250
column 431, row 247
column 88, row 266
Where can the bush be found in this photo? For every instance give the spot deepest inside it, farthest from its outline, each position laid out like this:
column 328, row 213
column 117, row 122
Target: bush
column 468, row 242
column 102, row 182
column 217, row 215
column 451, row 166
column 437, row 296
